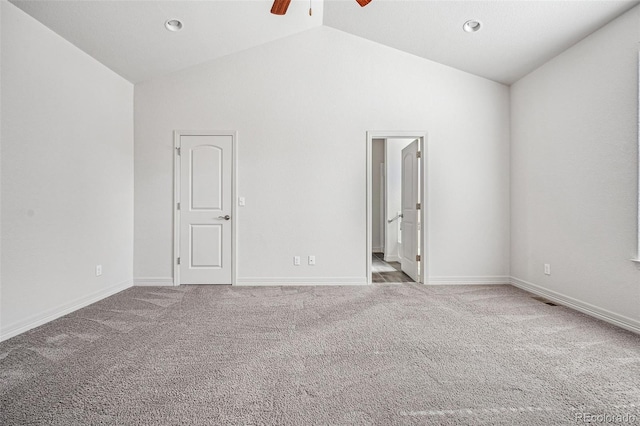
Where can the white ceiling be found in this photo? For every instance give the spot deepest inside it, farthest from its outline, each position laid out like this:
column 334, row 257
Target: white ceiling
column 130, row 38
column 517, row 35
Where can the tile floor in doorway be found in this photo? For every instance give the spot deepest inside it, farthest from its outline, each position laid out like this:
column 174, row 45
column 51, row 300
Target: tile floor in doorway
column 387, row 272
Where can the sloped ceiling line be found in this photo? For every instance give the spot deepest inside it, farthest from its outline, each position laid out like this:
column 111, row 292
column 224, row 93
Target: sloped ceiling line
column 517, row 36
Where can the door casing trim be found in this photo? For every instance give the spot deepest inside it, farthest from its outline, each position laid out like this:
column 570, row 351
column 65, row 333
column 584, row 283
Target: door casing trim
column 176, row 197
column 424, row 191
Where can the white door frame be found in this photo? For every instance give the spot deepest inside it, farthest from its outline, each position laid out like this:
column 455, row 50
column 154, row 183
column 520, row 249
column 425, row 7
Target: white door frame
column 383, row 200
column 176, row 196
column 422, row 136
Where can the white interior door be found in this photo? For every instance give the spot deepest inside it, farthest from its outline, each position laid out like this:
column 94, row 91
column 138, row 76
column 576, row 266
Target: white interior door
column 410, row 232
column 205, row 209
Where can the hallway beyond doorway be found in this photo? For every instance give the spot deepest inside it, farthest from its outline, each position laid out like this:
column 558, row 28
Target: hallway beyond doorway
column 387, row 272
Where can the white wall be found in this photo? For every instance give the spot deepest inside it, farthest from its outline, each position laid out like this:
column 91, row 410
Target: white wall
column 302, row 106
column 67, row 176
column 574, row 164
column 377, row 197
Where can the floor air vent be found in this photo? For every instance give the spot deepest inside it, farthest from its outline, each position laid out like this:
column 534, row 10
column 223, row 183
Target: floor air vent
column 543, row 300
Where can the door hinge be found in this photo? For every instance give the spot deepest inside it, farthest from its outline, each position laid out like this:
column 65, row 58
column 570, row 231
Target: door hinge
column 419, row 226
column 178, row 150
column 419, row 154
column 418, row 206
column 178, row 261
column 178, row 206
column 417, row 258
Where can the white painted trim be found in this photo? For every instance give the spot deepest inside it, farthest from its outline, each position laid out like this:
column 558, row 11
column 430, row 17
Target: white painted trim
column 385, row 213
column 234, row 209
column 469, row 280
column 584, row 307
column 300, row 281
column 369, row 207
column 377, row 249
column 152, row 281
column 422, row 136
column 637, row 256
column 62, row 310
column 176, row 212
column 383, row 200
column 234, row 197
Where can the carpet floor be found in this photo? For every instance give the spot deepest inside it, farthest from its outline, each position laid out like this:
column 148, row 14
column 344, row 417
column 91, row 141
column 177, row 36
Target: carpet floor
column 384, row 354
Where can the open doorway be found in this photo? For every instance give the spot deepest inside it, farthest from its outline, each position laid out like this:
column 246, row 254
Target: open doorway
column 395, row 207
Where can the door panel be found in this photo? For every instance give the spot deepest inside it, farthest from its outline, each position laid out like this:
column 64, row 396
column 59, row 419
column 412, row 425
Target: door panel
column 206, row 168
column 410, row 212
column 205, row 199
column 206, row 246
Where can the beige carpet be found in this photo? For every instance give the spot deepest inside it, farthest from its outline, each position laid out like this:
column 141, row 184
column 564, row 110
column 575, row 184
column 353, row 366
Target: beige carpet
column 384, row 354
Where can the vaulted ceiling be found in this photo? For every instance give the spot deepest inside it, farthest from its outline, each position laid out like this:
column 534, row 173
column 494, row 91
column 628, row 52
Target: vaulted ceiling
column 516, row 37
column 130, row 38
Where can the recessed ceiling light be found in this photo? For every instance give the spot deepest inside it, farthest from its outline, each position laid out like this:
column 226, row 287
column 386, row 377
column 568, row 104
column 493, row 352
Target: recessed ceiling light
column 173, row 25
column 472, row 26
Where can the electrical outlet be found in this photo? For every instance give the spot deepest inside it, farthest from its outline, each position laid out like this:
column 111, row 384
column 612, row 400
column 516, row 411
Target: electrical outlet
column 296, row 260
column 98, row 270
column 312, row 260
column 547, row 269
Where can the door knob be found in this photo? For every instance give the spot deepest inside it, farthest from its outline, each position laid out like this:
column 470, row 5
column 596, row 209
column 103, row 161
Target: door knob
column 225, row 217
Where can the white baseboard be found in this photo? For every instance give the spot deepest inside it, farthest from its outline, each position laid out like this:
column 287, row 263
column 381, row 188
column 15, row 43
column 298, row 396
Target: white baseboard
column 377, row 249
column 259, row 281
column 392, row 258
column 153, row 281
column 62, row 310
column 584, row 307
column 469, row 280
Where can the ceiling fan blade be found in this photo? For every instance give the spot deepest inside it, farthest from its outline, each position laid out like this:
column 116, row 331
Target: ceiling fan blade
column 280, row 7
column 363, row 3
